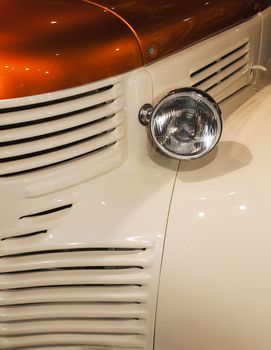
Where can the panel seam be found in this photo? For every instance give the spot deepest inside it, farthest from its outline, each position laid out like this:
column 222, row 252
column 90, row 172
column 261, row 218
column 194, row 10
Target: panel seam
column 163, row 250
column 122, row 19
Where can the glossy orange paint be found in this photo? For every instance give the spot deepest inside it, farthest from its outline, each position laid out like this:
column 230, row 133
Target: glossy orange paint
column 167, row 26
column 49, row 45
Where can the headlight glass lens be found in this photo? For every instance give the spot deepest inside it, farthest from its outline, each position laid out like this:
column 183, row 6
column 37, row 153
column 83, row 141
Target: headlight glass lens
column 186, row 124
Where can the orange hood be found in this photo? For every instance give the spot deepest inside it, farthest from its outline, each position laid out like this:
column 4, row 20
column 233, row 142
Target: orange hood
column 49, row 45
column 166, row 26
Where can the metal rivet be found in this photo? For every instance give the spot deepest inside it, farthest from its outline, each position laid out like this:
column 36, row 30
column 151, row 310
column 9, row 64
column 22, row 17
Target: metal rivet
column 152, row 50
column 145, row 114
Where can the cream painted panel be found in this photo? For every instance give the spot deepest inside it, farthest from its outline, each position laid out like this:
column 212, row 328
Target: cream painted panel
column 265, row 53
column 174, row 71
column 125, row 208
column 215, row 287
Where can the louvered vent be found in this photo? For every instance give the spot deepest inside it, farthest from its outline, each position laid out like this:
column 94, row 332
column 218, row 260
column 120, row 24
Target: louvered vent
column 226, row 74
column 76, row 297
column 38, row 136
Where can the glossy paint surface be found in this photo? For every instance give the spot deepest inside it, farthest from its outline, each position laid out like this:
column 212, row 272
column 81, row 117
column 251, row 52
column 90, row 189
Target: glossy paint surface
column 220, row 248
column 126, row 208
column 53, row 45
column 56, row 45
column 217, row 248
column 166, row 26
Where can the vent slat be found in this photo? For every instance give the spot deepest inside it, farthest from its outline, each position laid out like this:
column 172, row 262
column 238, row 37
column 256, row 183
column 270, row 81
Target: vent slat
column 69, row 310
column 231, row 85
column 84, row 258
column 111, row 341
column 65, row 139
column 24, row 235
column 218, row 65
column 72, row 347
column 52, row 132
column 56, row 157
column 220, row 76
column 120, row 327
column 50, row 220
column 90, row 294
column 225, row 74
column 61, row 124
column 74, row 294
column 74, row 277
column 56, row 108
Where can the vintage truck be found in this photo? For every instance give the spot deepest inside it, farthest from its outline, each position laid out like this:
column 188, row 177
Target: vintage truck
column 127, row 221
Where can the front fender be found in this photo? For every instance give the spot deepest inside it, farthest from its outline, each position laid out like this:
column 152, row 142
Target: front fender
column 215, row 285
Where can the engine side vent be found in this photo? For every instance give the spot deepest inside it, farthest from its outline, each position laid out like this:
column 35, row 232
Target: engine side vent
column 76, row 297
column 226, row 74
column 46, row 134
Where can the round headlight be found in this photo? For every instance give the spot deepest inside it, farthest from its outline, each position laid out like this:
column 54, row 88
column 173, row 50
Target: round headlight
column 186, row 124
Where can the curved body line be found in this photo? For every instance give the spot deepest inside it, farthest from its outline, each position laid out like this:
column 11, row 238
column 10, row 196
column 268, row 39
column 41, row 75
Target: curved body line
column 119, row 17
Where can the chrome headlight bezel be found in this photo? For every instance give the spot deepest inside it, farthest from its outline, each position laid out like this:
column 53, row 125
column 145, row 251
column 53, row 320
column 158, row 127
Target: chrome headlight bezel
column 147, row 117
